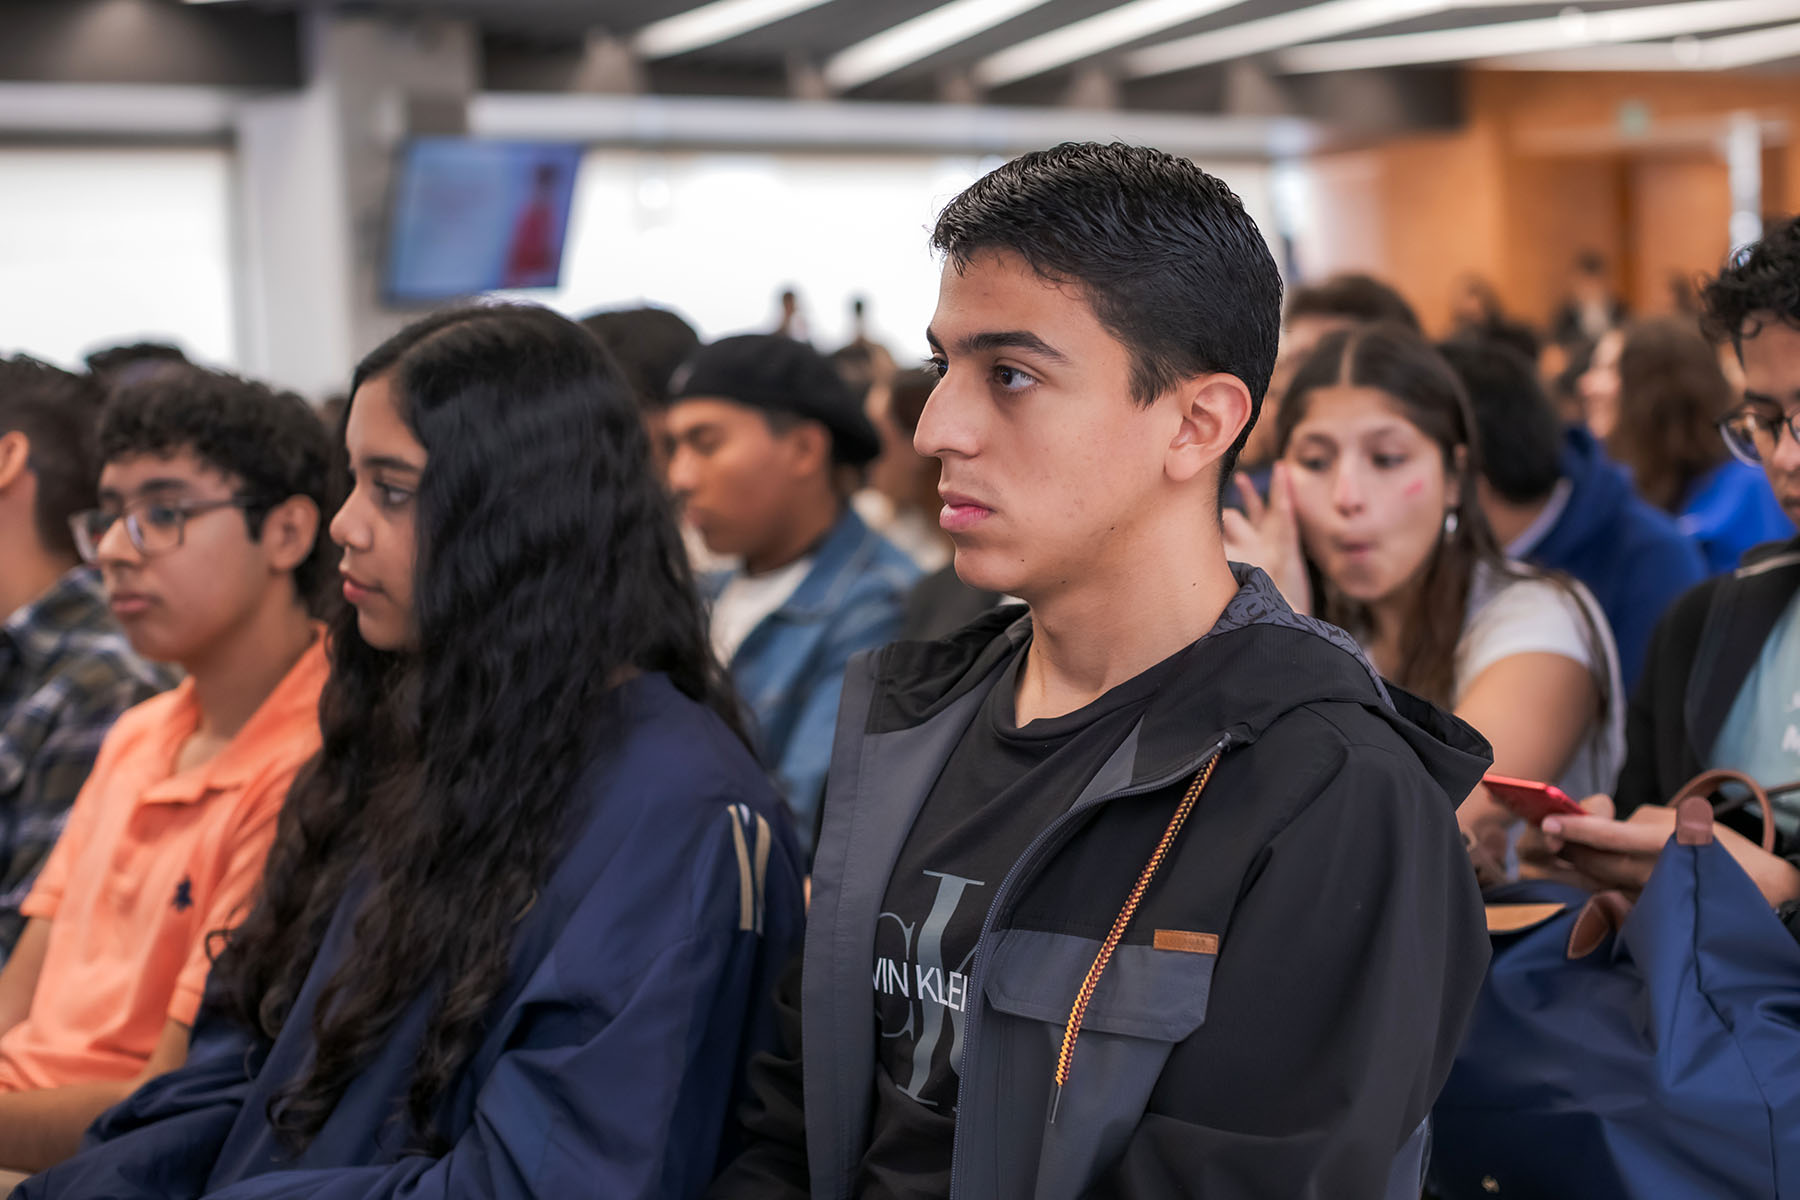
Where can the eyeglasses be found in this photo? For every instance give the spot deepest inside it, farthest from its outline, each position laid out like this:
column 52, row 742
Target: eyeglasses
column 154, row 526
column 1750, row 434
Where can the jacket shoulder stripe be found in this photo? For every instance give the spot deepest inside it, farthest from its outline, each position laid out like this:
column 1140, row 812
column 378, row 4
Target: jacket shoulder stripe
column 746, row 877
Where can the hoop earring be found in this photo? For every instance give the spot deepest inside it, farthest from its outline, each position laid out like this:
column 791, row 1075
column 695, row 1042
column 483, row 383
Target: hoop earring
column 1451, row 522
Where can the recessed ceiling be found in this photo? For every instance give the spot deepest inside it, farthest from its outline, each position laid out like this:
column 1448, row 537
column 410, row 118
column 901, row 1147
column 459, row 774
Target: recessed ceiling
column 869, row 48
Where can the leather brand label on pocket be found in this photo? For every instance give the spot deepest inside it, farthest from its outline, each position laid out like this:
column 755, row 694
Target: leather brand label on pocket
column 1186, row 941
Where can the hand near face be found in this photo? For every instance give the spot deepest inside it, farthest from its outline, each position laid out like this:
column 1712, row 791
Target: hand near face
column 1268, row 536
column 1604, row 853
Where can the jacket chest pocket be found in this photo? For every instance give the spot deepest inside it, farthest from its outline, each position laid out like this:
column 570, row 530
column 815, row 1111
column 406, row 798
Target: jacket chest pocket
column 1147, row 1001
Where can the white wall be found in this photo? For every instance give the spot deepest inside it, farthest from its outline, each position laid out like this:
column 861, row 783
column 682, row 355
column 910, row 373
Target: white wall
column 106, row 245
column 717, row 235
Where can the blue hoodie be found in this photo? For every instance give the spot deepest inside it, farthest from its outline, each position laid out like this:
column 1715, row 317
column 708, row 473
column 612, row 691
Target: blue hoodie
column 1730, row 509
column 641, row 982
column 1629, row 553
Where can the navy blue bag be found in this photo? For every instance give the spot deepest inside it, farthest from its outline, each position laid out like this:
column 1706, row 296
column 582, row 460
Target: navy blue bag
column 1633, row 1052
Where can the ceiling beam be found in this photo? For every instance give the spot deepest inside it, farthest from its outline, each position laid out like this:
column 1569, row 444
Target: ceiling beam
column 1282, row 30
column 912, row 41
column 1683, row 54
column 1093, row 35
column 1573, row 29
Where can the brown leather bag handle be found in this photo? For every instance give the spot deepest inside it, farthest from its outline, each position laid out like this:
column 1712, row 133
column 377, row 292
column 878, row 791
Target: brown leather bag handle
column 1704, row 784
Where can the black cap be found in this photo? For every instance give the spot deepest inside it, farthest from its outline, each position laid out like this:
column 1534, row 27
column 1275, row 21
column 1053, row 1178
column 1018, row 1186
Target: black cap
column 778, row 374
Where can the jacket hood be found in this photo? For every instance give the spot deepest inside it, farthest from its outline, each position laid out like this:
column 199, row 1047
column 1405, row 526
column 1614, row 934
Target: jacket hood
column 1260, row 661
column 1599, row 495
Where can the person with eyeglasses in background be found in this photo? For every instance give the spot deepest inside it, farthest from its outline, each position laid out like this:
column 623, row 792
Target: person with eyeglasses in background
column 208, row 540
column 1721, row 683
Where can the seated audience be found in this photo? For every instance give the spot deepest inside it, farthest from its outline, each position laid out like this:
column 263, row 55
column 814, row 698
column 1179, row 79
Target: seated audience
column 1723, row 674
column 1672, row 396
column 1375, row 526
column 209, row 541
column 1312, row 312
column 66, row 670
column 769, row 445
column 1555, row 501
column 523, row 911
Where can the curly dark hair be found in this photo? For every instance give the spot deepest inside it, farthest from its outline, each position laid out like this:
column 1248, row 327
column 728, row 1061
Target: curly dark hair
column 1174, row 267
column 57, row 412
column 1760, row 283
column 548, row 566
column 270, row 442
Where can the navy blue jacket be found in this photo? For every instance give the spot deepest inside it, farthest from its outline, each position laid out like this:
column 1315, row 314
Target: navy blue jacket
column 641, row 983
column 1629, row 553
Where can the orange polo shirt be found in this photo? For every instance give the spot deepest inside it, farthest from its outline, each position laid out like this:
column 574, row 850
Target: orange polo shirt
column 148, row 865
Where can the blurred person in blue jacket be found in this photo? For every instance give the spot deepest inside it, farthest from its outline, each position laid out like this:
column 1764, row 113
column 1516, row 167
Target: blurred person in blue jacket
column 768, row 445
column 1556, row 501
column 1671, row 393
column 523, row 910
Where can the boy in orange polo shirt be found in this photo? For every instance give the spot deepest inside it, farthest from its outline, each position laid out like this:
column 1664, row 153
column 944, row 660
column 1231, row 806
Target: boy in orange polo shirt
column 209, row 537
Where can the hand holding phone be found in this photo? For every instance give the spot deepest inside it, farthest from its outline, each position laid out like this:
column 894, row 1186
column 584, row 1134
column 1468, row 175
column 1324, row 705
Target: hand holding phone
column 1532, row 801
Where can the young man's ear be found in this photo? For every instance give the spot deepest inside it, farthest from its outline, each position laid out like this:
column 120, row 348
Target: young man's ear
column 15, row 458
column 809, row 448
column 289, row 532
column 1213, row 410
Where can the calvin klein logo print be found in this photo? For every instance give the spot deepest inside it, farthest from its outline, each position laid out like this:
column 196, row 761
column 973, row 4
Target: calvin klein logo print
column 918, row 995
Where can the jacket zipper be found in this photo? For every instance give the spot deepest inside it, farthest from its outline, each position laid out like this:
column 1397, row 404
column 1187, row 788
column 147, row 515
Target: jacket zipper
column 1040, row 847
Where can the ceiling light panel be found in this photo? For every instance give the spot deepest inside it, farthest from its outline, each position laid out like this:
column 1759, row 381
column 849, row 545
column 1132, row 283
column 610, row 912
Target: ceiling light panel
column 713, row 23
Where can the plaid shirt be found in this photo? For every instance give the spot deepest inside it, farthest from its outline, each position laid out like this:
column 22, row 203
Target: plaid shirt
column 66, row 673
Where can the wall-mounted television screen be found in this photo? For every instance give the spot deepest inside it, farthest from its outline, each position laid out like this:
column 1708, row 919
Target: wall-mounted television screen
column 473, row 216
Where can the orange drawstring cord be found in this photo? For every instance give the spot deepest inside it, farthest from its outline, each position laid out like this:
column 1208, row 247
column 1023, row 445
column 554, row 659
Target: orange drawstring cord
column 1120, row 923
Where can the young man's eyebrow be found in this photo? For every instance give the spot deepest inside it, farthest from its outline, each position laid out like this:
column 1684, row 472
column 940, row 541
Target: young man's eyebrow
column 1002, row 339
column 148, row 486
column 1772, row 401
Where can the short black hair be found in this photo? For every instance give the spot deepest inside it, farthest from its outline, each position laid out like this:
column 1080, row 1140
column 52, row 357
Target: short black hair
column 57, row 413
column 1759, row 283
column 1363, row 299
column 117, row 365
column 272, row 442
column 1515, row 424
column 648, row 344
column 1165, row 253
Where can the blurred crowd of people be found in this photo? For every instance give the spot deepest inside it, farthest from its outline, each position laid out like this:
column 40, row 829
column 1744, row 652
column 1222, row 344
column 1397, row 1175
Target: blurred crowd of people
column 426, row 795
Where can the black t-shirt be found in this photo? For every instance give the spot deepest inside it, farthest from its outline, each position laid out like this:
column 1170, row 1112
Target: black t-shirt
column 1001, row 787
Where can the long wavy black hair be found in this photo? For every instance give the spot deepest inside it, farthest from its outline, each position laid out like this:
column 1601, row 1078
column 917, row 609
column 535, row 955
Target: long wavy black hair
column 548, row 569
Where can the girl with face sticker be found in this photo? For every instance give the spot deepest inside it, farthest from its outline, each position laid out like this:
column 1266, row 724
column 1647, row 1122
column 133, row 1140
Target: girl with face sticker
column 1373, row 525
column 524, row 910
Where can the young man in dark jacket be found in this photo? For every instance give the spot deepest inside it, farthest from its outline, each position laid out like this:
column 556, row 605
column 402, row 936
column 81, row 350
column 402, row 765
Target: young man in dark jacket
column 1153, row 889
column 1721, row 687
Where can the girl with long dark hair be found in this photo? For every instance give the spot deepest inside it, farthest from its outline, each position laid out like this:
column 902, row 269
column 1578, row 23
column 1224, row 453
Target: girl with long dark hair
column 1374, row 525
column 1671, row 395
column 520, row 920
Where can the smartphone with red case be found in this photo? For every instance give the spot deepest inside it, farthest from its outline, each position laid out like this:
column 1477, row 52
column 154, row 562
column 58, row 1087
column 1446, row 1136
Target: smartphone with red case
column 1533, row 801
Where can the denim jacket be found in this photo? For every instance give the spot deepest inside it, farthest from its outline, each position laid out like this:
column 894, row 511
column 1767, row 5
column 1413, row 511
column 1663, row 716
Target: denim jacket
column 790, row 668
